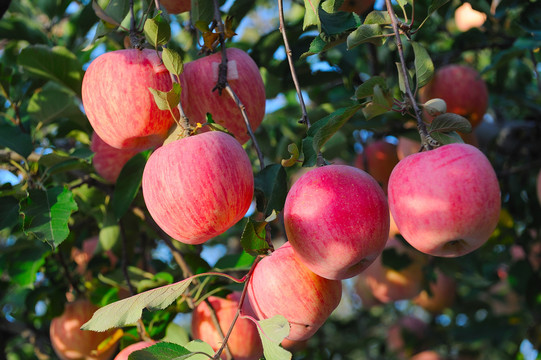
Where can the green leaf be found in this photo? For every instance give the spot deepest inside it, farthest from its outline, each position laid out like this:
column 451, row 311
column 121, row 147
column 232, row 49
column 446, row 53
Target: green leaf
column 167, row 100
column 445, row 138
column 319, row 45
column 372, row 33
column 401, row 83
column 128, row 183
column 331, row 124
column 294, row 152
column 424, row 68
column 381, row 103
column 337, row 23
column 366, row 89
column 310, row 155
column 392, row 259
column 202, row 12
column 13, row 138
column 253, row 238
column 9, row 212
column 434, row 5
column 128, row 311
column 450, row 122
column 199, row 346
column 161, row 351
column 378, row 17
column 109, row 234
column 23, row 260
column 234, row 261
column 172, row 61
column 46, row 214
column 18, row 27
column 175, row 333
column 271, row 182
column 53, row 103
column 157, row 31
column 311, row 16
column 57, row 63
column 272, row 332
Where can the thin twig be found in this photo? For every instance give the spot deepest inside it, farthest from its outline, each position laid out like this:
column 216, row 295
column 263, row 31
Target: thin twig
column 426, row 139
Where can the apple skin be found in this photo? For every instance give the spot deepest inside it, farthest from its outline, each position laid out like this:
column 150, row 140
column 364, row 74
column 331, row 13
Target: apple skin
column 117, row 102
column 176, row 6
column 462, row 88
column 123, row 355
column 445, row 202
column 427, row 355
column 443, row 294
column 310, row 298
column 388, row 284
column 198, row 99
column 467, row 18
column 71, row 343
column 109, row 161
column 197, row 187
column 380, row 157
column 357, row 6
column 244, row 341
column 337, row 219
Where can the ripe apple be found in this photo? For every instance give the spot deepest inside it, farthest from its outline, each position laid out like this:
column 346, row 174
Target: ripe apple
column 282, row 285
column 71, row 343
column 244, row 341
column 197, row 187
column 198, row 99
column 378, row 159
column 109, row 161
column 357, row 6
column 176, row 6
column 466, row 17
column 387, row 284
column 294, row 346
column 462, row 88
column 123, row 355
column 337, row 219
column 445, row 202
column 442, row 297
column 427, row 355
column 119, row 106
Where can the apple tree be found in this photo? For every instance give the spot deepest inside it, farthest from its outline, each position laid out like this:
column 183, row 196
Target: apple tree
column 209, row 179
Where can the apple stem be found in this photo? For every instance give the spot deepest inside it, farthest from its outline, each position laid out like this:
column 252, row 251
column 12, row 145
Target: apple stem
column 426, row 139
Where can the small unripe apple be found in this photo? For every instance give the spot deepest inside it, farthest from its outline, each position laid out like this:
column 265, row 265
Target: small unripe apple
column 337, row 219
column 197, row 187
column 462, row 88
column 109, row 161
column 117, row 100
column 445, row 202
column 282, row 285
column 378, row 159
column 466, row 17
column 70, row 342
column 198, row 98
column 357, row 6
column 442, row 296
column 176, row 6
column 123, row 355
column 244, row 341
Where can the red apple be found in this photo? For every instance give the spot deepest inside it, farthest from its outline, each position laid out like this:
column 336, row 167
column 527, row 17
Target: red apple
column 71, row 343
column 466, row 17
column 123, row 355
column 378, row 159
column 198, row 99
column 176, row 6
column 244, row 341
column 443, row 294
column 337, row 219
column 197, row 187
column 294, row 346
column 109, row 161
column 445, row 202
column 427, row 355
column 282, row 285
column 462, row 88
column 117, row 101
column 387, row 284
column 358, row 6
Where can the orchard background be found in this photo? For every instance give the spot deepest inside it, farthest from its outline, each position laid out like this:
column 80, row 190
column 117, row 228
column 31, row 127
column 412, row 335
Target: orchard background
column 52, row 200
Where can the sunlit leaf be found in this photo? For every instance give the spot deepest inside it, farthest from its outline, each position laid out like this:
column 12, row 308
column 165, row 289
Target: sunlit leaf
column 272, row 332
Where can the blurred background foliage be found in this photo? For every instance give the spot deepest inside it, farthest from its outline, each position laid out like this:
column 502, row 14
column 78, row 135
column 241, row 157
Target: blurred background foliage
column 45, row 46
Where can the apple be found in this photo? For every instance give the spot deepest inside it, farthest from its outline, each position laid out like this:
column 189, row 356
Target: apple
column 282, row 285
column 83, row 256
column 427, row 355
column 406, row 147
column 71, row 343
column 197, row 187
column 445, row 202
column 363, row 290
column 244, row 341
column 466, row 17
column 462, row 88
column 109, row 161
column 387, row 284
column 378, row 159
column 294, row 346
column 123, row 355
column 176, row 6
column 198, row 99
column 443, row 294
column 357, row 6
column 336, row 218
column 117, row 100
